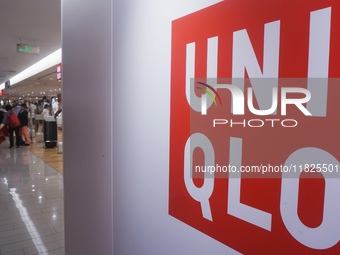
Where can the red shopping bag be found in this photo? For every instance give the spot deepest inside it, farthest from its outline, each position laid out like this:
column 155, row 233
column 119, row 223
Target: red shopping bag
column 3, row 133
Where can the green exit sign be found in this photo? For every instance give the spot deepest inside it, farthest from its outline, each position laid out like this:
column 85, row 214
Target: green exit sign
column 30, row 49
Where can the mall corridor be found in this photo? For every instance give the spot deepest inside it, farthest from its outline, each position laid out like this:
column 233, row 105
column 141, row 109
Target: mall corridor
column 31, row 204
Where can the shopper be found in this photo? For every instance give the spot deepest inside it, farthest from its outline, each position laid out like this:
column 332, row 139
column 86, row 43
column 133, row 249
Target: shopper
column 46, row 112
column 37, row 111
column 32, row 107
column 23, row 118
column 16, row 107
column 2, row 115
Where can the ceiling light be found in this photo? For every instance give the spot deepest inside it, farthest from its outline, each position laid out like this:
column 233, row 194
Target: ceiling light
column 45, row 63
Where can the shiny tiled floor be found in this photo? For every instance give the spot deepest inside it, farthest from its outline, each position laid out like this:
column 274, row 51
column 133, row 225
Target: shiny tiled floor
column 31, row 204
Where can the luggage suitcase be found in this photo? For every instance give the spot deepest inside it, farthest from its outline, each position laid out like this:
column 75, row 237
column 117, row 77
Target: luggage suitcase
column 50, row 133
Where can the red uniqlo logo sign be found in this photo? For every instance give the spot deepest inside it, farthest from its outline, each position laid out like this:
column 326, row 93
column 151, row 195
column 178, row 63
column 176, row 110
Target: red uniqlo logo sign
column 254, row 144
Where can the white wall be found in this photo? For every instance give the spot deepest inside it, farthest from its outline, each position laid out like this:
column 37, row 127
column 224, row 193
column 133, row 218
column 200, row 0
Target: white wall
column 141, row 80
column 138, row 99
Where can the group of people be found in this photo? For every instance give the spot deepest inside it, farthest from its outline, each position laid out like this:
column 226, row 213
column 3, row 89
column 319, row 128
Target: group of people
column 20, row 112
column 45, row 108
column 16, row 119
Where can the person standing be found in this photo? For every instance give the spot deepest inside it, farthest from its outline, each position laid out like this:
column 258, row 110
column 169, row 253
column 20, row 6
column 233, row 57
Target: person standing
column 23, row 118
column 16, row 107
column 31, row 111
column 47, row 112
column 37, row 111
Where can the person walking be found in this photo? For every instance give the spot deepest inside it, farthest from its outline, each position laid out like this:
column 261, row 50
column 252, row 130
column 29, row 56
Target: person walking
column 23, row 118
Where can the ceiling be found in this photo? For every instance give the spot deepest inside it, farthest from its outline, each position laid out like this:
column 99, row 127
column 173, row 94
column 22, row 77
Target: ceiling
column 33, row 22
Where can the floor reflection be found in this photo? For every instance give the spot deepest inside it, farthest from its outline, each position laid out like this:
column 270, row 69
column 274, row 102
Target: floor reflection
column 31, row 204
